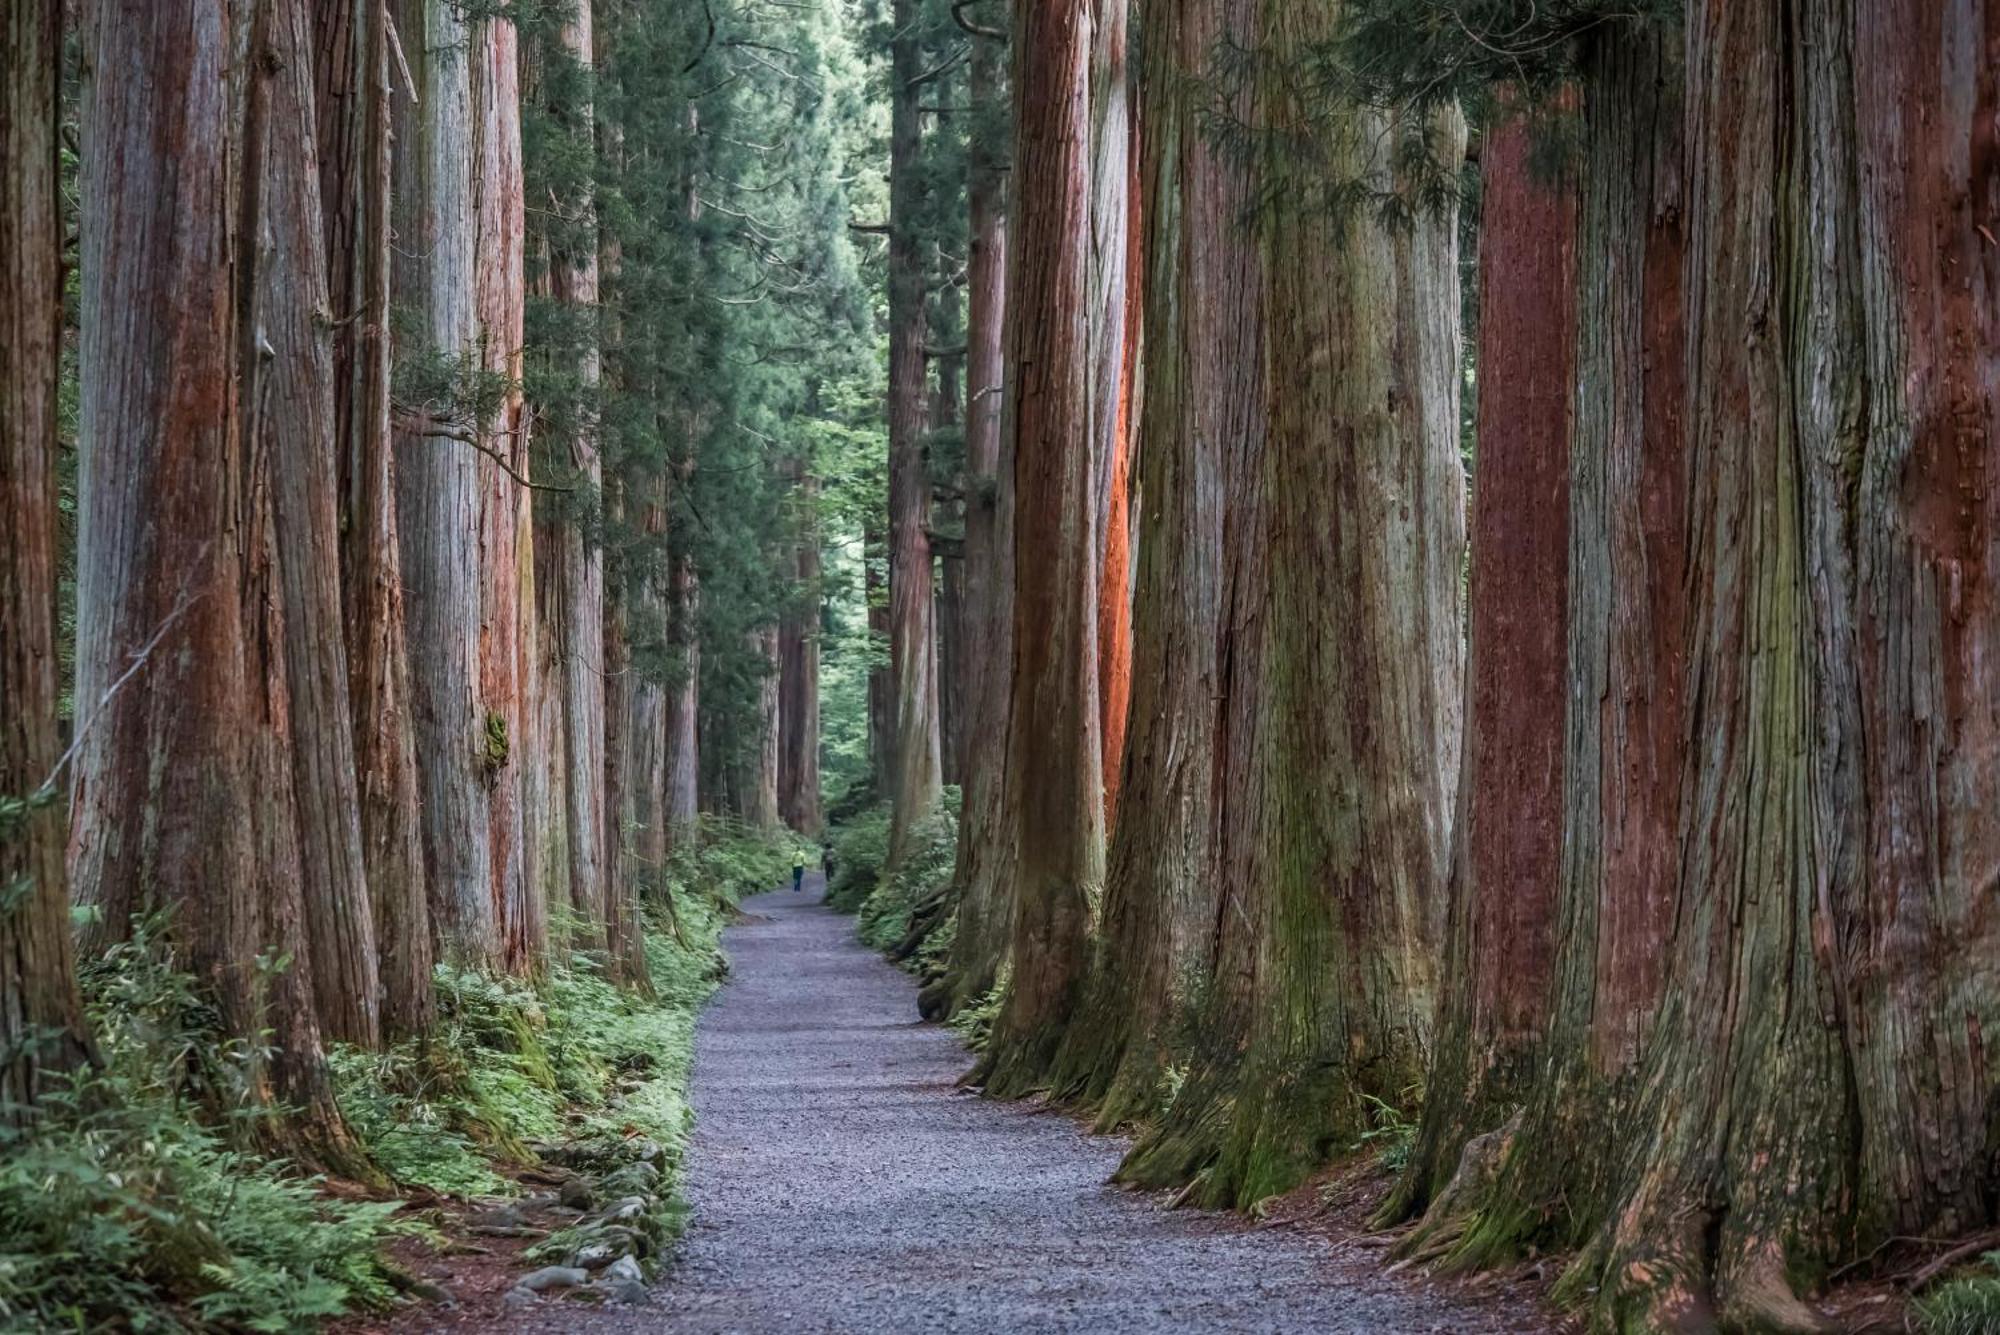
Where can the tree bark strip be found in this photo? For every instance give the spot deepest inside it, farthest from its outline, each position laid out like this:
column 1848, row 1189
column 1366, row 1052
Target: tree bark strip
column 41, row 1016
column 353, row 91
column 438, row 479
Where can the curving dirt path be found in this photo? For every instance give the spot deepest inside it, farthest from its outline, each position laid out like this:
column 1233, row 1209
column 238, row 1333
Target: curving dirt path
column 841, row 1182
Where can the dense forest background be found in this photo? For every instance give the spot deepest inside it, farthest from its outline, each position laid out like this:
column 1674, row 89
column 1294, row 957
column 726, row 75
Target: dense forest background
column 1336, row 571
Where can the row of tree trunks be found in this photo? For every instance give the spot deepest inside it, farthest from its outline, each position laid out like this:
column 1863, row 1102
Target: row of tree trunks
column 1761, row 1055
column 184, row 621
column 41, row 1016
column 352, row 67
column 917, row 761
column 1203, row 315
column 1818, row 1081
column 1340, row 664
column 982, row 876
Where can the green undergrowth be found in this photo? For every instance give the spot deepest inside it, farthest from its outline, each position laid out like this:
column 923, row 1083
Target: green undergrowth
column 1968, row 1304
column 125, row 1205
column 883, row 920
column 860, row 851
column 132, row 1203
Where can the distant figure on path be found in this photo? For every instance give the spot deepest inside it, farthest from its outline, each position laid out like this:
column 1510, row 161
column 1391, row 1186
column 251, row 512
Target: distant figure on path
column 798, row 871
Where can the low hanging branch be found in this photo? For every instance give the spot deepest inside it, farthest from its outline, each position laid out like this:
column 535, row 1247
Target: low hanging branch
column 417, row 422
column 958, row 9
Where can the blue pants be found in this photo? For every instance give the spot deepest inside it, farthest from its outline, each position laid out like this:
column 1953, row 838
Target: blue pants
column 798, row 879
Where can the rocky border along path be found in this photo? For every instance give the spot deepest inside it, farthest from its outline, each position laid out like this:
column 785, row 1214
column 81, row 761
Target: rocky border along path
column 841, row 1182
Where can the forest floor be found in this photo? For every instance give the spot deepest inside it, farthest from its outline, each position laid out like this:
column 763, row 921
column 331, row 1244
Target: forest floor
column 841, row 1181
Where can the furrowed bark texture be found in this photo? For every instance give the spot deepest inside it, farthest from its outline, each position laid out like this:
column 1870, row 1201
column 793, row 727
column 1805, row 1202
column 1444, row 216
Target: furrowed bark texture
column 983, row 875
column 509, row 670
column 1114, row 349
column 1624, row 731
column 1203, row 408
column 184, row 797
column 1507, row 862
column 917, row 777
column 41, row 1017
column 1340, row 669
column 1820, row 1080
column 352, row 69
column 296, row 429
column 1055, row 792
column 458, row 746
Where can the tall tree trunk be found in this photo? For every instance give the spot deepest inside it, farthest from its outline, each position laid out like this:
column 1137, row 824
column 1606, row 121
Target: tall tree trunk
column 459, row 745
column 983, row 875
column 683, row 808
column 573, row 273
column 186, row 786
column 295, row 423
column 1338, row 748
column 352, row 65
column 1817, row 1081
column 508, row 667
column 1623, row 732
column 946, row 417
column 1506, row 874
column 651, row 822
column 1114, row 338
column 41, row 1017
column 1055, row 793
column 1203, row 406
column 917, row 776
column 761, row 793
column 881, row 680
column 798, row 687
column 624, row 872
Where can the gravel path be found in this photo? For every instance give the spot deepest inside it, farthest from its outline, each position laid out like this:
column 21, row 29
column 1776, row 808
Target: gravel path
column 841, row 1182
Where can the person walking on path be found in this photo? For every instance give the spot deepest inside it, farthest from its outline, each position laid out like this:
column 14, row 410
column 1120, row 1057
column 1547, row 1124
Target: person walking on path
column 798, row 870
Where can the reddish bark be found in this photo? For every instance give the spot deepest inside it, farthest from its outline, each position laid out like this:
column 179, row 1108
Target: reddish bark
column 1055, row 794
column 1506, row 880
column 1202, row 408
column 294, row 422
column 182, row 636
column 41, row 1017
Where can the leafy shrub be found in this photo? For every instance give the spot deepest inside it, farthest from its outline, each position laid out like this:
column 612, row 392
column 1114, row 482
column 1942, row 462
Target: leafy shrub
column 512, row 1063
column 1393, row 1136
column 1966, row 1305
column 974, row 1023
column 122, row 1204
column 860, row 852
column 924, row 875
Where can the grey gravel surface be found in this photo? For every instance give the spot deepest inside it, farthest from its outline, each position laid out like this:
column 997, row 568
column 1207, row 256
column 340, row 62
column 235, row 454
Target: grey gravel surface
column 842, row 1182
